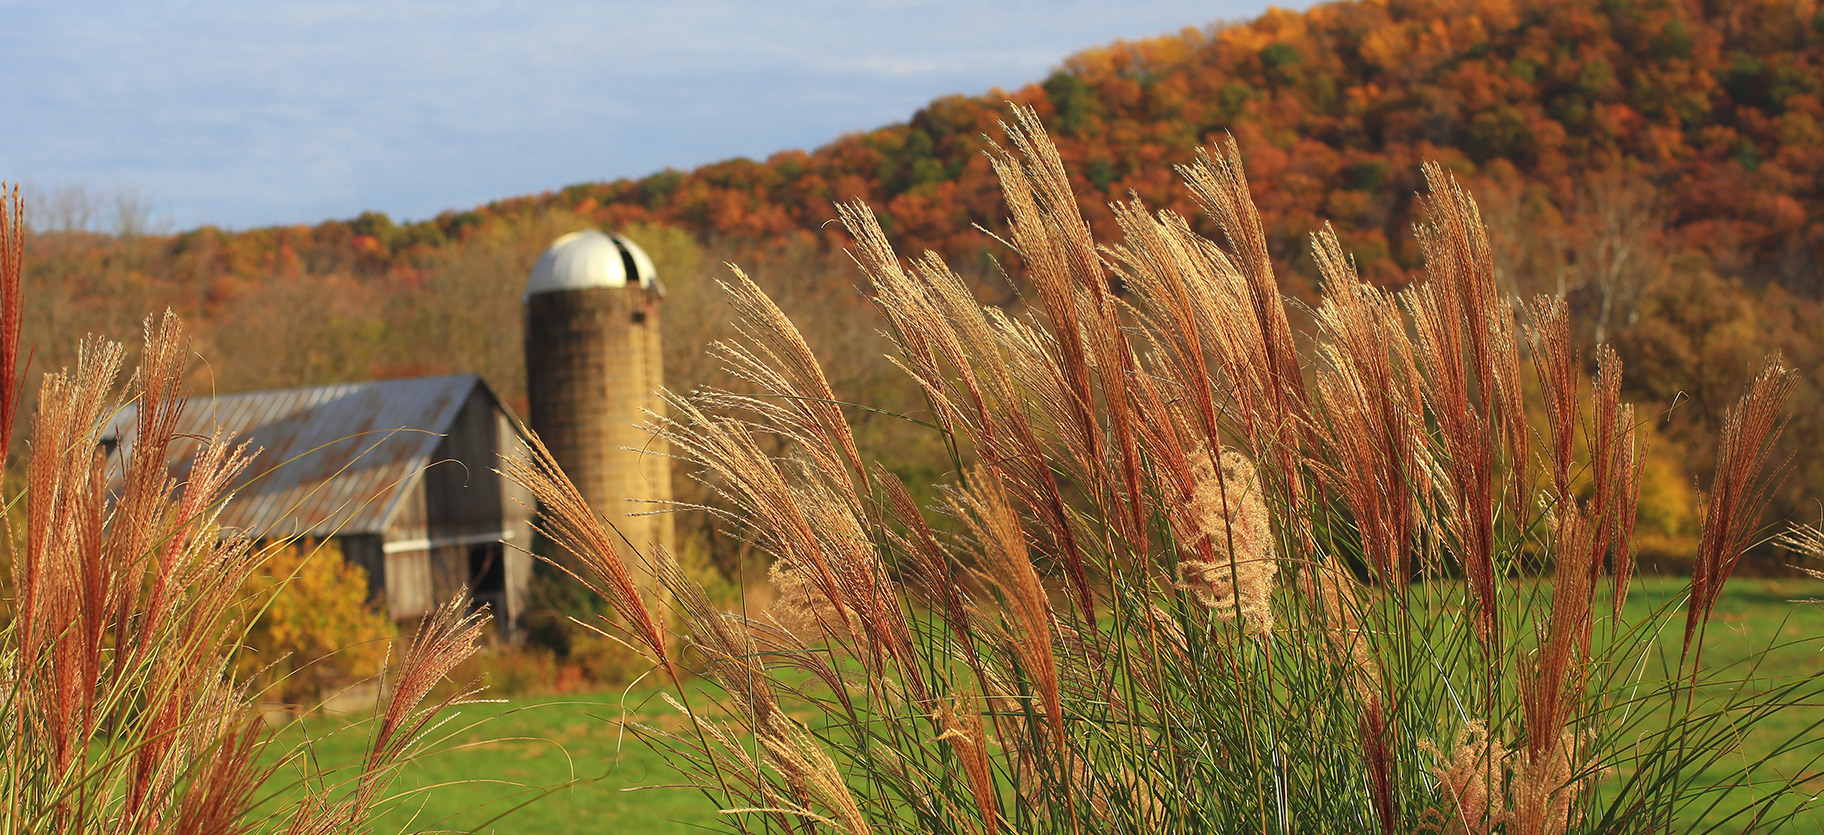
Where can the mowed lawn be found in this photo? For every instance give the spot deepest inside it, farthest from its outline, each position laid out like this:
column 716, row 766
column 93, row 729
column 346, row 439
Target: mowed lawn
column 558, row 765
column 1752, row 616
column 553, row 764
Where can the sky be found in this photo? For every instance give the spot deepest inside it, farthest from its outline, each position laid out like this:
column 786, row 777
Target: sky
column 255, row 113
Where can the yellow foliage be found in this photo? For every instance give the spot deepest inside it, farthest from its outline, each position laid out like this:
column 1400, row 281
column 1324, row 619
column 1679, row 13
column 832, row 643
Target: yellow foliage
column 1666, row 524
column 314, row 628
column 675, row 253
column 1666, row 519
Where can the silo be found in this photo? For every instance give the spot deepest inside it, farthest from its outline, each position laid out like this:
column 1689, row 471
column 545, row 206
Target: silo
column 593, row 369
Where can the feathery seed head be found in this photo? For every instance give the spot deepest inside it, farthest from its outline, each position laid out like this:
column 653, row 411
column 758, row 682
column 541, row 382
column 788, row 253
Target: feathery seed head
column 1473, row 781
column 803, row 608
column 1228, row 556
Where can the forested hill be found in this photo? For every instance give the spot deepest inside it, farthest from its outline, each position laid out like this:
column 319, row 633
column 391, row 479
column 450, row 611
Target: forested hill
column 1717, row 105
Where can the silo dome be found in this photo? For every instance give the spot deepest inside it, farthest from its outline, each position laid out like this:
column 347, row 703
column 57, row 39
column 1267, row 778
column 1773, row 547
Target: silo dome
column 591, row 258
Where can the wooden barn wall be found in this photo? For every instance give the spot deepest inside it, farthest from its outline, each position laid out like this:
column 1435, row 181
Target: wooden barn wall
column 408, row 576
column 408, row 585
column 462, row 493
column 408, row 522
column 449, row 571
column 516, row 513
column 459, row 503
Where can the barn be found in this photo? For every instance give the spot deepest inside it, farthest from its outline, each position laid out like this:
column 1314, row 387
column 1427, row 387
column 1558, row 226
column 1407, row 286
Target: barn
column 399, row 472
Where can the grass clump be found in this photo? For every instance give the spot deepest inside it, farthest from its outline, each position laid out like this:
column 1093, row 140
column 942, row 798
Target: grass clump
column 1197, row 570
column 123, row 708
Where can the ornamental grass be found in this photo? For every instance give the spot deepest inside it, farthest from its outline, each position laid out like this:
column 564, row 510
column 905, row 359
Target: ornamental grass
column 1195, row 569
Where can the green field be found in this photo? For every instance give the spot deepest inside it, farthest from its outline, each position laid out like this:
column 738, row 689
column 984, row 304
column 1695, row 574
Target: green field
column 546, row 765
column 1752, row 615
column 568, row 761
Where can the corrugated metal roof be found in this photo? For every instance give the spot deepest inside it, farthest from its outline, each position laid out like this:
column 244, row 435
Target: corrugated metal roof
column 334, row 459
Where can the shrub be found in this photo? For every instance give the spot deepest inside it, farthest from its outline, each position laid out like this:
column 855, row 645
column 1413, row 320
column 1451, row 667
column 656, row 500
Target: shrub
column 513, row 671
column 1196, row 571
column 313, row 628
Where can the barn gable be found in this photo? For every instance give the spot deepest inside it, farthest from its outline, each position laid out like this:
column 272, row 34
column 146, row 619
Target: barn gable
column 399, row 472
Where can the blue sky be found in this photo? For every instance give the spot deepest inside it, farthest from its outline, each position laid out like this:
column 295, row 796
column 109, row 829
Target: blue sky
column 253, row 113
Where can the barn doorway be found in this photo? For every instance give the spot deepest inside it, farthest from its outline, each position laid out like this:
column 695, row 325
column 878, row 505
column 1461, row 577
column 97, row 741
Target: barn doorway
column 488, row 574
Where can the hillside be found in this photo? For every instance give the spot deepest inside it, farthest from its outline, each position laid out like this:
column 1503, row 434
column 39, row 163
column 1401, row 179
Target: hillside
column 1657, row 163
column 1716, row 105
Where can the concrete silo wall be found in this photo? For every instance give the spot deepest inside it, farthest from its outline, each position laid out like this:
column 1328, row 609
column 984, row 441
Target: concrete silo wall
column 593, row 364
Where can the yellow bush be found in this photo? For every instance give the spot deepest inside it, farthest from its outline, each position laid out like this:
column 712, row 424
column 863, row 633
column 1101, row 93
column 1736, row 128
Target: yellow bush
column 1666, row 525
column 313, row 627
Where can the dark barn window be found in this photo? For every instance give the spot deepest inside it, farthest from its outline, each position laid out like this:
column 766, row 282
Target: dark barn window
column 487, row 569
